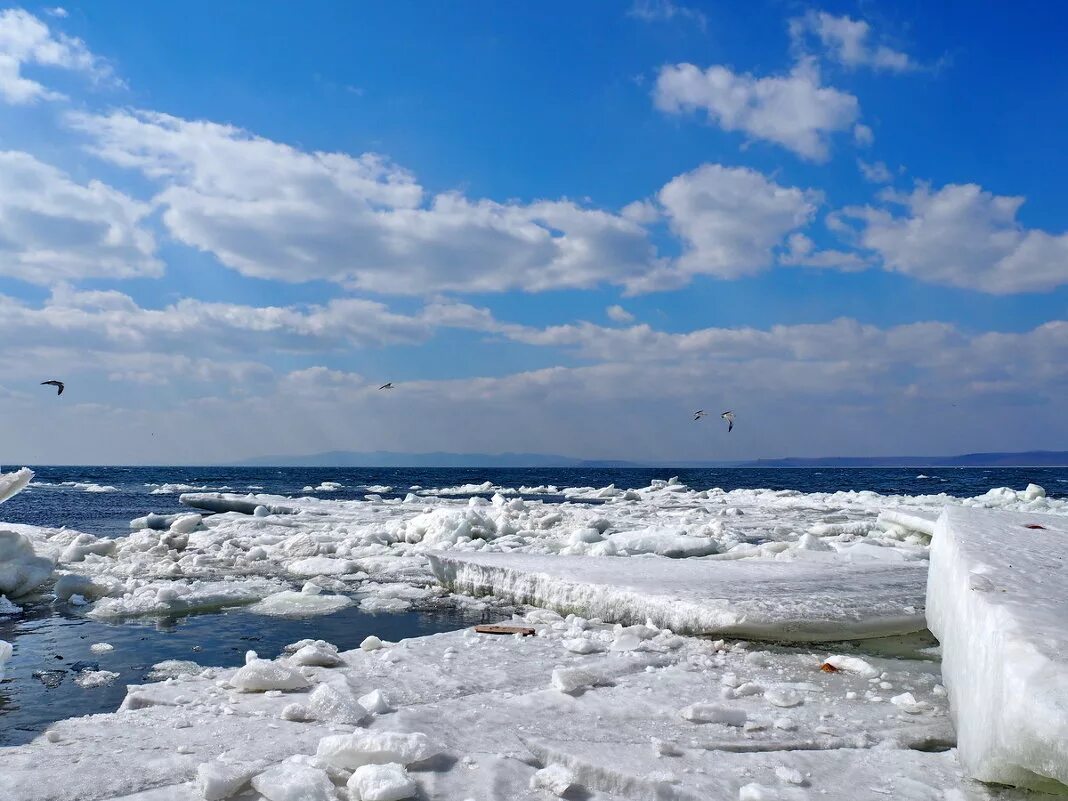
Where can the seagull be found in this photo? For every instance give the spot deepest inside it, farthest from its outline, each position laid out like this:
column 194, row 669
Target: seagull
column 729, row 417
column 53, row 383
column 699, row 414
column 388, row 385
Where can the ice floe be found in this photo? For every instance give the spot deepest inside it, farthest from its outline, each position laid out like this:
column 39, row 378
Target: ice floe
column 998, row 602
column 767, row 599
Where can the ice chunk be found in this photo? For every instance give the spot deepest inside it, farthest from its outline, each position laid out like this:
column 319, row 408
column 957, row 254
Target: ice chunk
column 288, row 603
column 224, row 502
column 318, row 653
column 1004, row 641
column 910, row 519
column 574, row 680
column 101, row 647
column 375, row 702
column 95, row 678
column 329, row 704
column 9, row 608
column 217, row 780
column 388, row 782
column 5, row 654
column 714, row 713
column 21, row 570
column 557, row 779
column 12, row 484
column 851, row 664
column 769, row 599
column 292, row 781
column 663, row 542
column 260, row 675
column 350, row 751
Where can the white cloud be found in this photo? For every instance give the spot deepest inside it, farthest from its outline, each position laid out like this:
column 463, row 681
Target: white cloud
column 271, row 211
column 26, row 40
column 964, row 236
column 54, row 229
column 791, row 110
column 877, row 173
column 731, row 219
column 619, row 314
column 58, row 12
column 665, row 11
column 848, row 42
column 112, row 321
column 801, row 251
column 863, row 135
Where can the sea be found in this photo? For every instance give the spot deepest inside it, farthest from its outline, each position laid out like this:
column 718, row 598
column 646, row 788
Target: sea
column 52, row 641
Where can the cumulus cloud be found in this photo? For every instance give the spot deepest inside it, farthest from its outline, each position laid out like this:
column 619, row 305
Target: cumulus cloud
column 619, row 314
column 848, row 42
column 53, row 228
column 271, row 211
column 962, row 235
column 25, row 40
column 792, row 110
column 731, row 218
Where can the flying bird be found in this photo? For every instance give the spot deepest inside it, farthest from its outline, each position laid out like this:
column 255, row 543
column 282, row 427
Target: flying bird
column 388, row 385
column 53, row 383
column 729, row 417
column 699, row 414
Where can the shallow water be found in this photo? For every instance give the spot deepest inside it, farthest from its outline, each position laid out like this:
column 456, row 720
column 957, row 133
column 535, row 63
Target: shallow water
column 53, row 645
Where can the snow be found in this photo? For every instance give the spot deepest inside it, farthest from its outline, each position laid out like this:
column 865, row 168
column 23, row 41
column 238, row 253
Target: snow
column 767, row 599
column 998, row 602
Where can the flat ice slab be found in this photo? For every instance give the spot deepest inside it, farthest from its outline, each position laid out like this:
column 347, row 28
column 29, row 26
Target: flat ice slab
column 758, row 598
column 997, row 599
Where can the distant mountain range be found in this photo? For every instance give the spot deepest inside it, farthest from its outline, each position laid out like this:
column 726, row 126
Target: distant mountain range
column 442, row 459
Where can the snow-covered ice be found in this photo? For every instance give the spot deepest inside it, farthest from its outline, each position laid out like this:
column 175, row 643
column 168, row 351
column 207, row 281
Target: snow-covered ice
column 998, row 602
column 477, row 716
column 766, row 599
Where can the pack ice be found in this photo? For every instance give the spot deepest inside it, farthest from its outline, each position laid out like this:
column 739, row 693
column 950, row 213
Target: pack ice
column 998, row 601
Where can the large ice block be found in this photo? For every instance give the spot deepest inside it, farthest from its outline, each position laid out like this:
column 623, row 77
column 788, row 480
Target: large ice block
column 997, row 598
column 786, row 601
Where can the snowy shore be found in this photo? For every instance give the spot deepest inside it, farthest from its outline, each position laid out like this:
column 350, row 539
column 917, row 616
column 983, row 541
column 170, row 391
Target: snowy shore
column 627, row 708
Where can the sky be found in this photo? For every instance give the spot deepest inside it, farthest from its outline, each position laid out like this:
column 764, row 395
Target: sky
column 555, row 227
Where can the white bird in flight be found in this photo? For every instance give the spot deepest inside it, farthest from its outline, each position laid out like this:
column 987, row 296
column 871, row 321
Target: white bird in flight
column 729, row 417
column 387, row 386
column 53, row 383
column 699, row 414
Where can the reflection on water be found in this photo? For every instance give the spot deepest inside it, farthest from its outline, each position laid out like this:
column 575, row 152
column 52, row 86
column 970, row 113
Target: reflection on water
column 52, row 646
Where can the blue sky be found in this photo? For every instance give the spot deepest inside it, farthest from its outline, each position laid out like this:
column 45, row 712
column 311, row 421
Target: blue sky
column 557, row 229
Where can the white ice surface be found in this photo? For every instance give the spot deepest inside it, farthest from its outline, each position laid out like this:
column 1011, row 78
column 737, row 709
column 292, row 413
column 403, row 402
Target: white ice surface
column 473, row 714
column 374, row 551
column 13, row 483
column 766, row 599
column 998, row 602
column 21, row 570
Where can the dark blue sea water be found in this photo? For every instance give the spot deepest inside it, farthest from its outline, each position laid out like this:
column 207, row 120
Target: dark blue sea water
column 51, row 640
